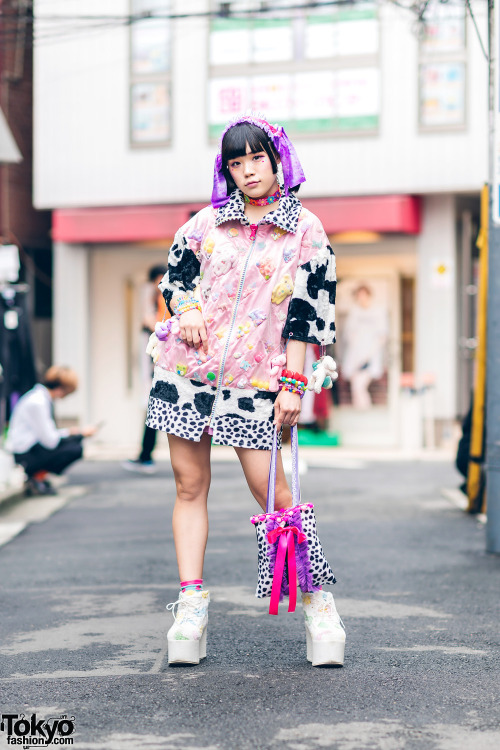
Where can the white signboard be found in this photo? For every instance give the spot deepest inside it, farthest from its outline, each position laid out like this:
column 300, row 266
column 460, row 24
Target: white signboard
column 316, row 101
column 230, row 46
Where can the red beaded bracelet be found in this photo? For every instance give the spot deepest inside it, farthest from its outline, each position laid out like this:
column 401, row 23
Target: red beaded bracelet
column 294, row 376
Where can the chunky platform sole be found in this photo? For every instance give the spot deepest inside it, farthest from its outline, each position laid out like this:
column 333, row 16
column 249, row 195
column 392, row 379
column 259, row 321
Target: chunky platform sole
column 187, row 652
column 324, row 652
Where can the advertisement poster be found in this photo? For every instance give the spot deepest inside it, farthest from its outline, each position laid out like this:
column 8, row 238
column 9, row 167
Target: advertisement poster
column 361, row 349
column 227, row 97
column 150, row 113
column 444, row 29
column 442, row 94
column 150, row 40
column 316, row 101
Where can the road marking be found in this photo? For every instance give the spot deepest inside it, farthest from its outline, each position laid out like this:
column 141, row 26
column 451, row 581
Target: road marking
column 452, row 650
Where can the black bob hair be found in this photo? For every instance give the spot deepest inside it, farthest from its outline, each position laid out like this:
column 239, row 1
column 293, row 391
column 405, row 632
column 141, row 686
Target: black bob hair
column 156, row 271
column 234, row 144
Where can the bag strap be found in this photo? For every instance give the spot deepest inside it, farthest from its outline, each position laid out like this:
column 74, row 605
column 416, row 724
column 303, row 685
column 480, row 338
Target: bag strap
column 271, row 485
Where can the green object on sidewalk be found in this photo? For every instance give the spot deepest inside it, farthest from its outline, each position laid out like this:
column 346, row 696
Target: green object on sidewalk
column 310, row 437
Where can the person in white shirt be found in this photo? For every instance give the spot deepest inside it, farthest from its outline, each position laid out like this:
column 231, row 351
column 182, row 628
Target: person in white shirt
column 34, row 438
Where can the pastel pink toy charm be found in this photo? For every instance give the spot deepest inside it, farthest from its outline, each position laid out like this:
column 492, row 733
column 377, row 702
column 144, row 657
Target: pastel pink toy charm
column 222, row 265
column 266, row 267
column 257, row 317
column 277, row 364
column 258, row 357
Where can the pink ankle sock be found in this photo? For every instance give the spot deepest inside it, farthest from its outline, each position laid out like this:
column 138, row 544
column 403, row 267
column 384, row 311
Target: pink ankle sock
column 195, row 585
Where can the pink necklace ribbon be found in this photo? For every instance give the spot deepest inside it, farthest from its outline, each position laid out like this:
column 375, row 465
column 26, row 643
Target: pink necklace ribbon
column 286, row 549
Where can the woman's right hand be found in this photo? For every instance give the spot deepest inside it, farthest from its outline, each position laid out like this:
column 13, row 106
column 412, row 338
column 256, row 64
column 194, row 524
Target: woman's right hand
column 192, row 329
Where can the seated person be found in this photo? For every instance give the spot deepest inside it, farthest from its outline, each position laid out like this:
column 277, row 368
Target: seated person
column 33, row 437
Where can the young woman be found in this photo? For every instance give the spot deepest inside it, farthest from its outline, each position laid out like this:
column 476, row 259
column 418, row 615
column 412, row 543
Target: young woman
column 250, row 281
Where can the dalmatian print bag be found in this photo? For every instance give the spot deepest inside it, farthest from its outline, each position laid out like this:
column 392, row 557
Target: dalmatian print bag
column 288, row 544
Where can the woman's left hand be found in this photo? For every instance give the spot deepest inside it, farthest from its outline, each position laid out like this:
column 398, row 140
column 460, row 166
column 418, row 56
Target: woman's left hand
column 286, row 409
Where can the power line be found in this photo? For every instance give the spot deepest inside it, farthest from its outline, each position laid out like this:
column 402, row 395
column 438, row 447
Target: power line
column 58, row 27
column 90, row 22
column 473, row 19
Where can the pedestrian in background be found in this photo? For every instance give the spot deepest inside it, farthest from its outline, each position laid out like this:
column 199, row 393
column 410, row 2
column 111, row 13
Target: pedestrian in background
column 251, row 280
column 153, row 309
column 33, row 437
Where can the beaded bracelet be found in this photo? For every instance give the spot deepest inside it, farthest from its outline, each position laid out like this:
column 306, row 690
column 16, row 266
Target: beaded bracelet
column 184, row 304
column 292, row 389
column 294, row 377
column 293, row 382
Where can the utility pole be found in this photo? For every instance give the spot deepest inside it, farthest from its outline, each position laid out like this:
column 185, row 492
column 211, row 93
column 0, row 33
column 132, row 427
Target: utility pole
column 493, row 335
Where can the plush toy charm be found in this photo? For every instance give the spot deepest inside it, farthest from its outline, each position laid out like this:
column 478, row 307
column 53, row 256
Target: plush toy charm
column 324, row 373
column 277, row 364
column 152, row 347
column 161, row 333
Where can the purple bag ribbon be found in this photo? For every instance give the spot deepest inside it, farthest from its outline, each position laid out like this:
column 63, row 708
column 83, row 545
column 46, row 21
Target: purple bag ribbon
column 286, row 536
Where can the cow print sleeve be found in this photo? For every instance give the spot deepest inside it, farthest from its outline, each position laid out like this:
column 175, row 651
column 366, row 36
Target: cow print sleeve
column 311, row 314
column 183, row 274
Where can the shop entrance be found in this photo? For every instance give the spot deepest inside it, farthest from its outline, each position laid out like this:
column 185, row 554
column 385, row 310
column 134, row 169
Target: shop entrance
column 375, row 341
column 120, row 370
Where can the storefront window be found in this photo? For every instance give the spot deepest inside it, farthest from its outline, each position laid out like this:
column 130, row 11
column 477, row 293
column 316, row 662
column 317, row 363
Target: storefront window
column 362, row 349
column 325, row 77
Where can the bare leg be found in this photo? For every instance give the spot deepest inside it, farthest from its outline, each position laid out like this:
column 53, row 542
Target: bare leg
column 255, row 464
column 191, row 465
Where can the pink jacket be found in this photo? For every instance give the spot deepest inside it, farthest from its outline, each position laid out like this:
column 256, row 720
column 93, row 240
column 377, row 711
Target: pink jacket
column 257, row 286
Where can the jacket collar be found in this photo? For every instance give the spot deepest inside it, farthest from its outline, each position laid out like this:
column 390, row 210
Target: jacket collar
column 286, row 216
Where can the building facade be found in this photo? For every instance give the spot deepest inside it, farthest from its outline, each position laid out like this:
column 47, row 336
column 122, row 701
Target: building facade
column 390, row 127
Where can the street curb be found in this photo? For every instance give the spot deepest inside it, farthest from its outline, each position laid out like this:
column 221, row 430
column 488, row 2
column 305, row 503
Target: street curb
column 11, row 497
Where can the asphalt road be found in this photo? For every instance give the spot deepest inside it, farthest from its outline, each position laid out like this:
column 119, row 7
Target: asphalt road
column 83, row 622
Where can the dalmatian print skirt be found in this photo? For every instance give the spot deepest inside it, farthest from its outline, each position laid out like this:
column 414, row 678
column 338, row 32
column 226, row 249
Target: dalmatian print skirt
column 243, row 418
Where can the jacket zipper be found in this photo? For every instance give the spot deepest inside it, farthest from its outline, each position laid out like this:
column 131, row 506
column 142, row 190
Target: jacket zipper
column 233, row 319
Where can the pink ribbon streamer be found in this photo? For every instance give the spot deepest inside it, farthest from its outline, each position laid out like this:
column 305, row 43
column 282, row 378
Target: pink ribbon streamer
column 286, row 536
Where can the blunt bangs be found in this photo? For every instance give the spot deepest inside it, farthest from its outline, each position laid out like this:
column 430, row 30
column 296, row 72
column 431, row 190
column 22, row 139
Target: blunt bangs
column 235, row 141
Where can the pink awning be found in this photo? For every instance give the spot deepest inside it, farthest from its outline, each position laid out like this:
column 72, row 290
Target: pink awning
column 377, row 213
column 384, row 213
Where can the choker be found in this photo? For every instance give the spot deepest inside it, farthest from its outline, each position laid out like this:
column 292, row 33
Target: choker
column 263, row 201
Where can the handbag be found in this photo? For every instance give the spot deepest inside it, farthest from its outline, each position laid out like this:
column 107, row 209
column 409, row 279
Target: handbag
column 288, row 544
